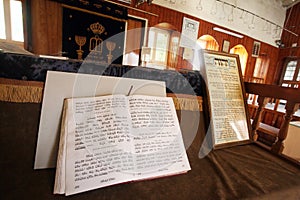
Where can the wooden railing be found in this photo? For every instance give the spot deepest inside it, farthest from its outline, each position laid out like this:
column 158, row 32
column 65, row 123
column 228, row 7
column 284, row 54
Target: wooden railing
column 264, row 93
column 292, row 84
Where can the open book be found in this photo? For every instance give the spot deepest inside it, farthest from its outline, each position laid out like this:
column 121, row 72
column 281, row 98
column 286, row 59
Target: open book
column 114, row 139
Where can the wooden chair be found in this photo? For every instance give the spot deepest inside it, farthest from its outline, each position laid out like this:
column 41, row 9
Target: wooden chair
column 264, row 92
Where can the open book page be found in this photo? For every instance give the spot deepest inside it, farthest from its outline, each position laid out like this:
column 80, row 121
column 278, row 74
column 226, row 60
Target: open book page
column 60, row 181
column 158, row 143
column 98, row 143
column 114, row 139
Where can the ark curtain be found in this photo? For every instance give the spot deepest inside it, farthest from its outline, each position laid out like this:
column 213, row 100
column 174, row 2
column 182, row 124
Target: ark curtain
column 97, row 37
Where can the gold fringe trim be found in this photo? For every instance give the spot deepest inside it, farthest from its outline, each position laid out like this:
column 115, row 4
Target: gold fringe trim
column 21, row 94
column 32, row 92
column 187, row 102
column 21, row 91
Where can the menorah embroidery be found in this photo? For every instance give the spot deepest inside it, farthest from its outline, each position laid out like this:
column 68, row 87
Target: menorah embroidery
column 80, row 41
column 110, row 46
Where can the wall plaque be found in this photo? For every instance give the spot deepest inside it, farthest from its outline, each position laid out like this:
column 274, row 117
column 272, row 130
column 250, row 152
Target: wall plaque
column 229, row 122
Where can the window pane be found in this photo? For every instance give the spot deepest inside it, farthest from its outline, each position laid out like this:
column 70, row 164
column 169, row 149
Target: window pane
column 257, row 68
column 2, row 22
column 16, row 20
column 174, row 44
column 285, row 85
column 162, row 40
column 151, row 38
column 161, row 47
column 290, row 70
column 202, row 43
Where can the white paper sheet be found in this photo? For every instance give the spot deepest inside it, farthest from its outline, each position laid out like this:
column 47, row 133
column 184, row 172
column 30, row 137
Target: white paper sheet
column 61, row 85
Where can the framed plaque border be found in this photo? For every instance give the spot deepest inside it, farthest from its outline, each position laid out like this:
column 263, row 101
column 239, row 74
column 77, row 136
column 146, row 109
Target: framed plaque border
column 210, row 123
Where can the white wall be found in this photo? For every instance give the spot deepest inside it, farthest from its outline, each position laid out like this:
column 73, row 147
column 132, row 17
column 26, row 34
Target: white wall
column 268, row 9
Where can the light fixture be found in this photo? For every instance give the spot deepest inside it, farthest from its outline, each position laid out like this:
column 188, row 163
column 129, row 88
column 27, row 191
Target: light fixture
column 242, row 15
column 276, row 33
column 214, row 8
column 251, row 26
column 246, row 17
column 279, row 43
column 265, row 28
column 230, row 16
column 199, row 6
column 139, row 2
column 222, row 16
column 269, row 28
column 228, row 32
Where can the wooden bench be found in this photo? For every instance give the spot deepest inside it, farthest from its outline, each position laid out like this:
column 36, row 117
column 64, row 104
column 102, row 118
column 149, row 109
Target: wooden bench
column 267, row 133
column 264, row 92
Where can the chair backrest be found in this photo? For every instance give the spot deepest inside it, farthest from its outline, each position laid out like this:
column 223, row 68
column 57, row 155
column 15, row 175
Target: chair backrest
column 264, row 92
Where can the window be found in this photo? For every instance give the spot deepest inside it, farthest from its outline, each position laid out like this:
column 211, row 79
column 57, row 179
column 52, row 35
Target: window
column 11, row 21
column 290, row 70
column 174, row 46
column 2, row 22
column 163, row 44
column 291, row 76
column 208, row 42
column 260, row 69
column 243, row 55
column 158, row 41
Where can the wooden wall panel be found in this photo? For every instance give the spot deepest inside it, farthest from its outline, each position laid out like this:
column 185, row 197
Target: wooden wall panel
column 133, row 38
column 175, row 18
column 292, row 24
column 46, row 30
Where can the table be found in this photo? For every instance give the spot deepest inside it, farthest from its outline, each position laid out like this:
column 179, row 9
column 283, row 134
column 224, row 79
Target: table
column 246, row 171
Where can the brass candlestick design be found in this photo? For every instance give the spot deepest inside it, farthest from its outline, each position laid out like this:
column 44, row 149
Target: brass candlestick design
column 110, row 46
column 80, row 41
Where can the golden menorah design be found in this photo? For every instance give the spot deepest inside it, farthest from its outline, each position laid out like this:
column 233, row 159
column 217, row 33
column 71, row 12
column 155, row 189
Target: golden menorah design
column 110, row 46
column 80, row 41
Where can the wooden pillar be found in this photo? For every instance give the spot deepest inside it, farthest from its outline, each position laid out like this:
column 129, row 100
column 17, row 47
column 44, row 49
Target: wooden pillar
column 46, row 27
column 276, row 104
column 291, row 108
column 262, row 101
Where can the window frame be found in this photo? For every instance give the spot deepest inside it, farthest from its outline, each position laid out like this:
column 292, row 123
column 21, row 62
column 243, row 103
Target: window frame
column 243, row 57
column 153, row 60
column 261, row 67
column 291, row 83
column 8, row 25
